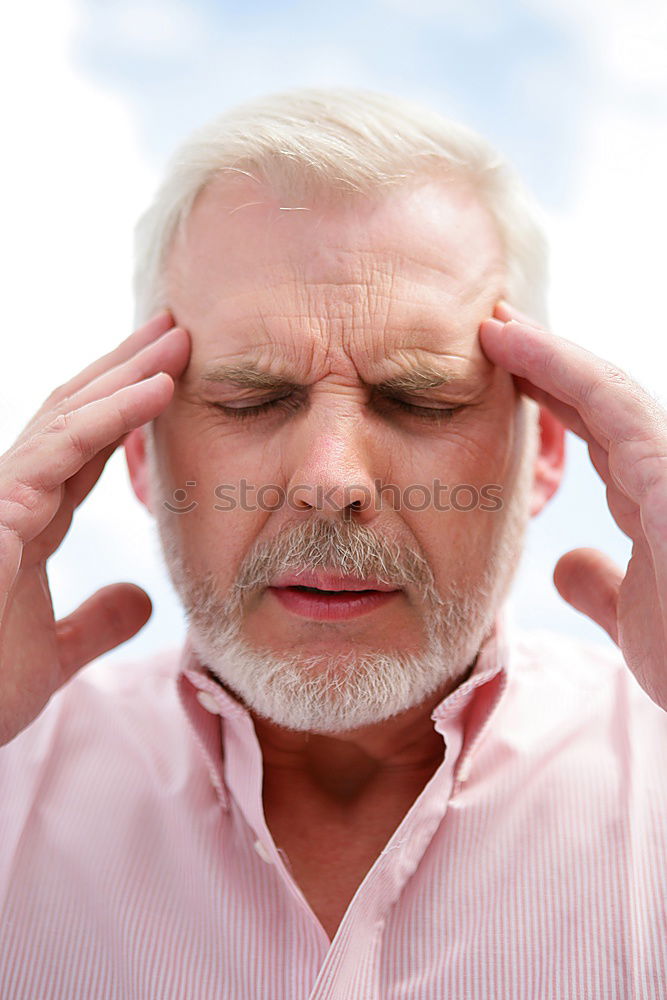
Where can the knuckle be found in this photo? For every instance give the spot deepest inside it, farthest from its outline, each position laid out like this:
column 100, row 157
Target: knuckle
column 61, row 422
column 21, row 496
column 613, row 375
column 9, row 540
column 26, row 496
column 607, row 378
column 651, row 473
column 64, row 424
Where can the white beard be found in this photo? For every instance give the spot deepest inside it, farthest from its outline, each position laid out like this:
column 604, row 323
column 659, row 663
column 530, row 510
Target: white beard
column 333, row 693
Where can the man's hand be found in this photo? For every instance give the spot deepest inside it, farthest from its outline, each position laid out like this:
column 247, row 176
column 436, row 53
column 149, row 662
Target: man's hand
column 626, row 433
column 45, row 475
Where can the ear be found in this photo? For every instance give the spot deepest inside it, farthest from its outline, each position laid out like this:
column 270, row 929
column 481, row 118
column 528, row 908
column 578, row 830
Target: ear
column 550, row 460
column 137, row 464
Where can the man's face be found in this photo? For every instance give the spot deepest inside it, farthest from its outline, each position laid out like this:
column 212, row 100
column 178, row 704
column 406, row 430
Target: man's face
column 338, row 300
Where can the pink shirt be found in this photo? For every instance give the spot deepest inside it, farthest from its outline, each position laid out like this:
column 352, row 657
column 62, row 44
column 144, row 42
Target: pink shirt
column 135, row 861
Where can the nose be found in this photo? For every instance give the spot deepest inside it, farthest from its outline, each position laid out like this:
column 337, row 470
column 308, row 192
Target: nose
column 331, row 474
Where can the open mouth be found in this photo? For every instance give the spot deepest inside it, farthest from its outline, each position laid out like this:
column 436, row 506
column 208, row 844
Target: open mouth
column 319, row 590
column 330, row 605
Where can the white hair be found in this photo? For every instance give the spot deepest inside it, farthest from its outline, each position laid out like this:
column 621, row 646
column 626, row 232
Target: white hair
column 333, row 144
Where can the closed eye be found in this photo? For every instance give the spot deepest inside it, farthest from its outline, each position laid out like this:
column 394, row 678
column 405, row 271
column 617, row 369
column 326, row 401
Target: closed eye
column 435, row 414
column 290, row 403
column 285, row 403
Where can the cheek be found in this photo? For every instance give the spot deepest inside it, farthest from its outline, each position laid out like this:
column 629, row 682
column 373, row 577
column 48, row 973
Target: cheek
column 476, row 449
column 457, row 542
column 200, row 446
column 205, row 472
column 474, row 468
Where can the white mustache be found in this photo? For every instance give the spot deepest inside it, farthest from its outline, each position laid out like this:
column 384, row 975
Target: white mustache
column 343, row 548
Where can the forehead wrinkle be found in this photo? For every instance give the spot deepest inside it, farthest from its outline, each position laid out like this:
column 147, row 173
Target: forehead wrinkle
column 411, row 376
column 376, row 289
column 380, row 318
column 372, row 269
column 290, row 353
column 358, row 276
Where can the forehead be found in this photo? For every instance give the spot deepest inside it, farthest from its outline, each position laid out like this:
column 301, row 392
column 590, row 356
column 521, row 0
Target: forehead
column 389, row 274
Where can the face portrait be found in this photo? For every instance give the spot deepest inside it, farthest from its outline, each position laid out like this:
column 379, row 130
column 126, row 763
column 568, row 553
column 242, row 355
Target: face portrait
column 336, row 377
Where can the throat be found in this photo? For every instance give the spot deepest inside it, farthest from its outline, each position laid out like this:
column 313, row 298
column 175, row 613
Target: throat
column 331, row 845
column 344, row 786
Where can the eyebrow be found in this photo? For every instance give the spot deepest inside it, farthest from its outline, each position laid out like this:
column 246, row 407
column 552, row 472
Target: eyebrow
column 250, row 376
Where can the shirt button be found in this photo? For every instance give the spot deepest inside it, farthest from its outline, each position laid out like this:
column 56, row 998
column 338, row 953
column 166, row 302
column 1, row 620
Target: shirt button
column 262, row 851
column 208, row 702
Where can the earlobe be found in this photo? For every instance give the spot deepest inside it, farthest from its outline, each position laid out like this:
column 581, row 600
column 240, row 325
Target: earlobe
column 550, row 460
column 137, row 464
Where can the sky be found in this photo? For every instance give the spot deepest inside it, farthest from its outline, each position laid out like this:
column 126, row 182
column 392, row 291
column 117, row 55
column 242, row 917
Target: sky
column 97, row 93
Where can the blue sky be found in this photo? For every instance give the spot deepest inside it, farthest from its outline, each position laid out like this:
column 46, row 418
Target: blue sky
column 574, row 92
column 521, row 77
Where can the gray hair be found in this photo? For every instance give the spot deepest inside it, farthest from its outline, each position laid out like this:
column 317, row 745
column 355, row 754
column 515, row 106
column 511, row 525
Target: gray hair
column 335, row 143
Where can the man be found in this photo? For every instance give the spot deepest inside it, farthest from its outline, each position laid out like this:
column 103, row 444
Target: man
column 355, row 779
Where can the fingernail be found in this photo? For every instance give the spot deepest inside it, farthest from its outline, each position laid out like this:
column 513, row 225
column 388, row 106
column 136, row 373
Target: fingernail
column 169, row 333
column 493, row 324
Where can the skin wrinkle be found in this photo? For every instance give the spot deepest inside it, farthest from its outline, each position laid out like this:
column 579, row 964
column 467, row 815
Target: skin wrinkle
column 291, row 365
column 365, row 688
column 420, row 378
column 308, row 314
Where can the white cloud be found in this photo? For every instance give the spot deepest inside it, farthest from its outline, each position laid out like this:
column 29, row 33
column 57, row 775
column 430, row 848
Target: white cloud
column 73, row 182
column 609, row 250
column 169, row 28
column 628, row 37
column 476, row 18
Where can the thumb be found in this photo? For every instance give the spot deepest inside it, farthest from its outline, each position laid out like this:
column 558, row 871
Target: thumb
column 590, row 581
column 111, row 616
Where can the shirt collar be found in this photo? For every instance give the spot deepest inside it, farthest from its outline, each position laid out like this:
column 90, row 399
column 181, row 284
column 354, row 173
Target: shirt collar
column 471, row 705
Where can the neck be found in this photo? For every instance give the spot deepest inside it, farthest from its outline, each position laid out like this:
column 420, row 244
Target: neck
column 344, row 768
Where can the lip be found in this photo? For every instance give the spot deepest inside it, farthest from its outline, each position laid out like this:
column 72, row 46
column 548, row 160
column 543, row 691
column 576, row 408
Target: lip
column 330, row 581
column 331, row 607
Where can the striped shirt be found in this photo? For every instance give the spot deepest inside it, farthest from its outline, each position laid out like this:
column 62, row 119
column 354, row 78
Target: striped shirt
column 135, row 860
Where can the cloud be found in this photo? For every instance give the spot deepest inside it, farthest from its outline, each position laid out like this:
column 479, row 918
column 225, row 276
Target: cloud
column 169, row 28
column 567, row 87
column 73, row 181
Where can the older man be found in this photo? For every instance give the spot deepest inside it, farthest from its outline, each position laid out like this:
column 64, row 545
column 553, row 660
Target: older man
column 355, row 779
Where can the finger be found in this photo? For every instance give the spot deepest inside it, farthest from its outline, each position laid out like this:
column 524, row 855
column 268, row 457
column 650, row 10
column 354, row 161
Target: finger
column 81, row 483
column 625, row 513
column 76, row 490
column 617, row 412
column 11, row 551
column 600, row 460
column 506, row 312
column 111, row 616
column 143, row 335
column 568, row 415
column 606, row 397
column 30, row 474
column 623, row 509
column 63, row 506
column 169, row 353
column 590, row 581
